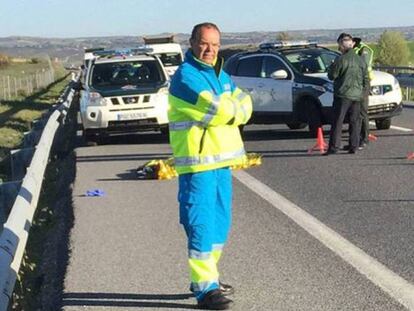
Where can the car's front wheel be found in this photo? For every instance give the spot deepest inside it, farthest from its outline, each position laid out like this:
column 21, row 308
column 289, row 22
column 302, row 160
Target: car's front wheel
column 383, row 124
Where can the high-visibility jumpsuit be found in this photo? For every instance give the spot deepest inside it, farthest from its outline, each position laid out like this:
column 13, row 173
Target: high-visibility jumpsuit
column 205, row 110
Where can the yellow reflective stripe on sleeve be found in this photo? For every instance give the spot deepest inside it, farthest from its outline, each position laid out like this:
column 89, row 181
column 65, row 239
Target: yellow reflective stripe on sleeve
column 212, row 110
column 241, row 96
column 187, row 161
column 234, row 108
column 244, row 114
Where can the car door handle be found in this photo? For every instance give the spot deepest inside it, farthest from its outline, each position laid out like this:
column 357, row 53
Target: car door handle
column 260, row 85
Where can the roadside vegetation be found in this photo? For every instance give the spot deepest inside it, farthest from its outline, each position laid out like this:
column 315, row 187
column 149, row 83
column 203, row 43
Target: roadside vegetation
column 18, row 113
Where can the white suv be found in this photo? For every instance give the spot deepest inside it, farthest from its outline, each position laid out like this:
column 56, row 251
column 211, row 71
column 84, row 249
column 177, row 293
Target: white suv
column 124, row 91
column 288, row 84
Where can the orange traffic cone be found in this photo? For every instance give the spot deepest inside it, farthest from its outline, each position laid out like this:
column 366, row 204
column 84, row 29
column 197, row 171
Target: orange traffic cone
column 320, row 146
column 410, row 156
column 372, row 137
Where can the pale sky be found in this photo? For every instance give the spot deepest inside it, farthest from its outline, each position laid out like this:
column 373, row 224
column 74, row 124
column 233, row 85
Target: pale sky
column 84, row 18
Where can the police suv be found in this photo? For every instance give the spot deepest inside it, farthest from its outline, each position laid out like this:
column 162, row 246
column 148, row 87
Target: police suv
column 288, row 83
column 124, row 91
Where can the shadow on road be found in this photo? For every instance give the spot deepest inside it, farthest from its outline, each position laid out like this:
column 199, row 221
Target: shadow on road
column 127, row 300
column 129, row 175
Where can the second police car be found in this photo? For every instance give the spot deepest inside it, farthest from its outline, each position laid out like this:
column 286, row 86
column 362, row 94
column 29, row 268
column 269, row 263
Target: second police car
column 124, row 91
column 288, row 84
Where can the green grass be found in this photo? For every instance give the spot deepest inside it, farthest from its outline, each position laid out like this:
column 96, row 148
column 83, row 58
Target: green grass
column 20, row 69
column 16, row 116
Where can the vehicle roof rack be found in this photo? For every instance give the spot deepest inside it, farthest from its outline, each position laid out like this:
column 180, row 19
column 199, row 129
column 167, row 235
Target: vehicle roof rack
column 287, row 44
column 123, row 52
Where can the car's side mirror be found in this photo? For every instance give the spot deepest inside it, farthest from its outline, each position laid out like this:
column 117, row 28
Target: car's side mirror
column 279, row 75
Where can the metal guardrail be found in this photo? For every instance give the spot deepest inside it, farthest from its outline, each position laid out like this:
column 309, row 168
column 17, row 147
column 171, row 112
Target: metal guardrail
column 14, row 236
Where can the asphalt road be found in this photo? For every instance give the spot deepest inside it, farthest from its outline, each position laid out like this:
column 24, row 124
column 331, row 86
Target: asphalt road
column 129, row 253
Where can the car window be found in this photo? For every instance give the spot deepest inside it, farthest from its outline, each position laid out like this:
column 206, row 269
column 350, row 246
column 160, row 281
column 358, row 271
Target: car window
column 311, row 61
column 272, row 64
column 120, row 74
column 250, row 67
column 170, row 59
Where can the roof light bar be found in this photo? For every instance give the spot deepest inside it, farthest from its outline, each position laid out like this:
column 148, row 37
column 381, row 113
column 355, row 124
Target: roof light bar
column 285, row 44
column 123, row 52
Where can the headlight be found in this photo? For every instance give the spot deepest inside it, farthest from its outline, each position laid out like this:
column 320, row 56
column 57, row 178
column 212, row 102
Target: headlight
column 376, row 90
column 95, row 99
column 396, row 84
column 163, row 91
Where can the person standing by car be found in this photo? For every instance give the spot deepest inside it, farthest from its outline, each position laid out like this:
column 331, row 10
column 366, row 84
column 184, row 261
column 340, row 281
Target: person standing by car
column 350, row 76
column 205, row 111
column 367, row 55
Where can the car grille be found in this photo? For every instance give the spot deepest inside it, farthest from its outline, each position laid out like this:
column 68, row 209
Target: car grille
column 130, row 100
column 382, row 108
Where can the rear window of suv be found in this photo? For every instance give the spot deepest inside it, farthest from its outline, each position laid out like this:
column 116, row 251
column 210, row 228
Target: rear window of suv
column 121, row 74
column 311, row 60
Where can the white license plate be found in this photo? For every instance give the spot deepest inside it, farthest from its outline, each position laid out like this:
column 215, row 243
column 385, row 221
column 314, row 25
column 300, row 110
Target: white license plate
column 132, row 116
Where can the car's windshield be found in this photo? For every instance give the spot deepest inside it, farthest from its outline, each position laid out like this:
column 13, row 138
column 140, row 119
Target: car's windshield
column 129, row 73
column 311, row 60
column 170, row 59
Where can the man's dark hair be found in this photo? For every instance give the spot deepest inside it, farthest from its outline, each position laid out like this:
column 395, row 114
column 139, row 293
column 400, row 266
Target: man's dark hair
column 195, row 34
column 344, row 36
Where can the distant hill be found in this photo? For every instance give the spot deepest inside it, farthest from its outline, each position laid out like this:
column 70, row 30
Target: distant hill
column 70, row 50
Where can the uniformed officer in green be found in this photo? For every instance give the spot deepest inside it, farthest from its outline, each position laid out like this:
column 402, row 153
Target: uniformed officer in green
column 350, row 77
column 367, row 55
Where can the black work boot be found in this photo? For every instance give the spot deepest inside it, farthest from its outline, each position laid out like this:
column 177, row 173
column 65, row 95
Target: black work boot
column 226, row 289
column 214, row 300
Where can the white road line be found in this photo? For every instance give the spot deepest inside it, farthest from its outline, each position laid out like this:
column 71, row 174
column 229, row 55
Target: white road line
column 403, row 129
column 398, row 128
column 380, row 275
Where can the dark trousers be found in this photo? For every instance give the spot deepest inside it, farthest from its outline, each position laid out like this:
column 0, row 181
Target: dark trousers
column 364, row 119
column 341, row 106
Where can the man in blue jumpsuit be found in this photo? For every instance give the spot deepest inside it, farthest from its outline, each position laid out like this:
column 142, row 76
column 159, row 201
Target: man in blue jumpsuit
column 205, row 110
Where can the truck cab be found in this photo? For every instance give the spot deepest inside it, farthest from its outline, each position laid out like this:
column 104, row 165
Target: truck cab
column 169, row 52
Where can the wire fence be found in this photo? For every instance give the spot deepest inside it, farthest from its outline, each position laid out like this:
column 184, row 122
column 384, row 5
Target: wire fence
column 25, row 85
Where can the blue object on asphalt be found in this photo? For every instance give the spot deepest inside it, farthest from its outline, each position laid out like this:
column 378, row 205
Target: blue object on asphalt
column 95, row 193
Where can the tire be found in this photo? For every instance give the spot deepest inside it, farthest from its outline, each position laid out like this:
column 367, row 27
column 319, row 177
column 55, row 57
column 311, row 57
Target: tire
column 296, row 125
column 383, row 124
column 91, row 139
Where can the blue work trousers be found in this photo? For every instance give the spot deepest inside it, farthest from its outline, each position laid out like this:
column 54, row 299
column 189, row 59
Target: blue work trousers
column 205, row 212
